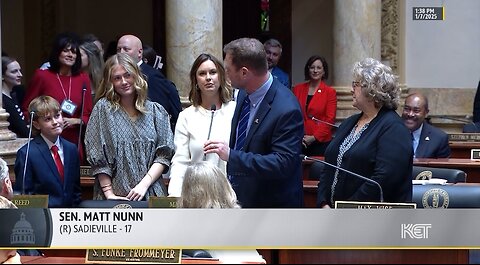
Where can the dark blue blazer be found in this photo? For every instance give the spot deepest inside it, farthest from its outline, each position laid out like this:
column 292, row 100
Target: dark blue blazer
column 433, row 143
column 281, row 76
column 268, row 172
column 383, row 153
column 163, row 91
column 42, row 176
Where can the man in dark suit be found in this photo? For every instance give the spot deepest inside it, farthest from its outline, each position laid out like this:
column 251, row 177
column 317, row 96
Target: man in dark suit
column 52, row 172
column 264, row 165
column 428, row 141
column 160, row 89
column 273, row 48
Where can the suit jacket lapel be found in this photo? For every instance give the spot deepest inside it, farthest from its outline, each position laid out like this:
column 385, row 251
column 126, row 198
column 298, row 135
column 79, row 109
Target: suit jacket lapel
column 46, row 155
column 233, row 132
column 66, row 157
column 422, row 144
column 262, row 111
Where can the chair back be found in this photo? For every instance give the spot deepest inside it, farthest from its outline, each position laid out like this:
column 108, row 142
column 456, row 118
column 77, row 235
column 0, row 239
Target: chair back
column 315, row 170
column 473, row 127
column 450, row 174
column 447, row 196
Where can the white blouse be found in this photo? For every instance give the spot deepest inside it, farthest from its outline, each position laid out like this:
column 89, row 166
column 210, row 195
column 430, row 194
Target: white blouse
column 191, row 132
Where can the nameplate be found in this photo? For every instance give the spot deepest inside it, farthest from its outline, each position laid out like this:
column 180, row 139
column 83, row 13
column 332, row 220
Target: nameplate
column 170, row 256
column 162, row 202
column 475, row 154
column 139, row 255
column 30, row 201
column 373, row 205
column 85, row 171
column 464, row 137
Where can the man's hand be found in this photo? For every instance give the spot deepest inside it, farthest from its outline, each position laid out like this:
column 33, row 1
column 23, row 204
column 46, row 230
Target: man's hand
column 220, row 148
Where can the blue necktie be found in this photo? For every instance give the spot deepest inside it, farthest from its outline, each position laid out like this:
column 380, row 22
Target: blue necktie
column 413, row 144
column 243, row 124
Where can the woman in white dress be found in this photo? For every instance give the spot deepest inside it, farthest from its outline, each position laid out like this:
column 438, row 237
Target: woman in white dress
column 209, row 117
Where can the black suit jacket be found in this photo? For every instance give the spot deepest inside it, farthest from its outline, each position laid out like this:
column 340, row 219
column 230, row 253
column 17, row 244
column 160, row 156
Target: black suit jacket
column 383, row 153
column 163, row 91
column 17, row 124
column 42, row 177
column 476, row 105
column 433, row 143
column 268, row 172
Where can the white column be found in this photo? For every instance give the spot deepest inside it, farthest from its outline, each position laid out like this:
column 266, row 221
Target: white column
column 192, row 27
column 356, row 35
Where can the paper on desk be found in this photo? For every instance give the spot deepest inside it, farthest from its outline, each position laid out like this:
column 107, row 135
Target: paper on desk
column 432, row 181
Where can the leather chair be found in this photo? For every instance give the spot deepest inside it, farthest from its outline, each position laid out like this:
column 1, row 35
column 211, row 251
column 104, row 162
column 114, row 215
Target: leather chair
column 446, row 196
column 315, row 170
column 473, row 127
column 451, row 175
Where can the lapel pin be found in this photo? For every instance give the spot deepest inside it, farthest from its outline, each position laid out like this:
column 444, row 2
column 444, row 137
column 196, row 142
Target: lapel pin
column 427, row 138
column 256, row 121
column 319, row 91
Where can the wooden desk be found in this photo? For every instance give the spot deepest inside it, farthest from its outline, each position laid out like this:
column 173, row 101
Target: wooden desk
column 52, row 260
column 310, row 193
column 392, row 256
column 318, row 256
column 462, row 149
column 81, row 260
column 86, row 184
column 472, row 168
column 227, row 258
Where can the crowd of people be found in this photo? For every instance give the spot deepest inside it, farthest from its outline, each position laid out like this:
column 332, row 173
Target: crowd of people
column 238, row 144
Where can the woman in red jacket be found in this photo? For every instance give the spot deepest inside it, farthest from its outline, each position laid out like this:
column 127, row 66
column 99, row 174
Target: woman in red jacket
column 64, row 81
column 319, row 106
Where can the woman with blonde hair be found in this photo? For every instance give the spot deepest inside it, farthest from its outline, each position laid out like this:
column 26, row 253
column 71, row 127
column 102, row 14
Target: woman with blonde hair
column 205, row 186
column 128, row 140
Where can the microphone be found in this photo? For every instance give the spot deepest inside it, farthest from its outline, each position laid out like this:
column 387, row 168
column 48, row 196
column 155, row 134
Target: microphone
column 32, row 113
column 29, row 201
column 212, row 109
column 84, row 88
column 445, row 117
column 320, row 121
column 464, row 121
column 304, row 157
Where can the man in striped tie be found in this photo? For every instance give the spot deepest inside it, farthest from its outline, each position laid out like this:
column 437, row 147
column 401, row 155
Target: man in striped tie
column 263, row 162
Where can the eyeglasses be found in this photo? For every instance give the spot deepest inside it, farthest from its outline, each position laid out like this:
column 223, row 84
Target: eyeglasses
column 357, row 84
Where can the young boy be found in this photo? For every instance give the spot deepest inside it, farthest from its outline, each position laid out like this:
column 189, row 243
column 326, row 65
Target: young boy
column 53, row 166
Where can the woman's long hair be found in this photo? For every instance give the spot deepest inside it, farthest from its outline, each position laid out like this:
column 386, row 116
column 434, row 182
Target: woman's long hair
column 106, row 89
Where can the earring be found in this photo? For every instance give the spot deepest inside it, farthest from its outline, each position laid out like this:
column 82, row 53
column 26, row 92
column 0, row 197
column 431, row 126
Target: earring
column 196, row 86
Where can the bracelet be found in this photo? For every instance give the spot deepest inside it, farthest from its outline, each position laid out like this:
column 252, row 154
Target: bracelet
column 107, row 189
column 106, row 185
column 151, row 178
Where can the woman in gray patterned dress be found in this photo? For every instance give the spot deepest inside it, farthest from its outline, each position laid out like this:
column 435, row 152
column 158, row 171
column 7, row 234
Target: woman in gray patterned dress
column 128, row 140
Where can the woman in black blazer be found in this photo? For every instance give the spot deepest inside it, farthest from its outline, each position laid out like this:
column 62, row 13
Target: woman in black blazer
column 374, row 143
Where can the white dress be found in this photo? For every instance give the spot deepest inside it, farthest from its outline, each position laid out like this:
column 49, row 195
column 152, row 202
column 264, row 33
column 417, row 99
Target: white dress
column 191, row 132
